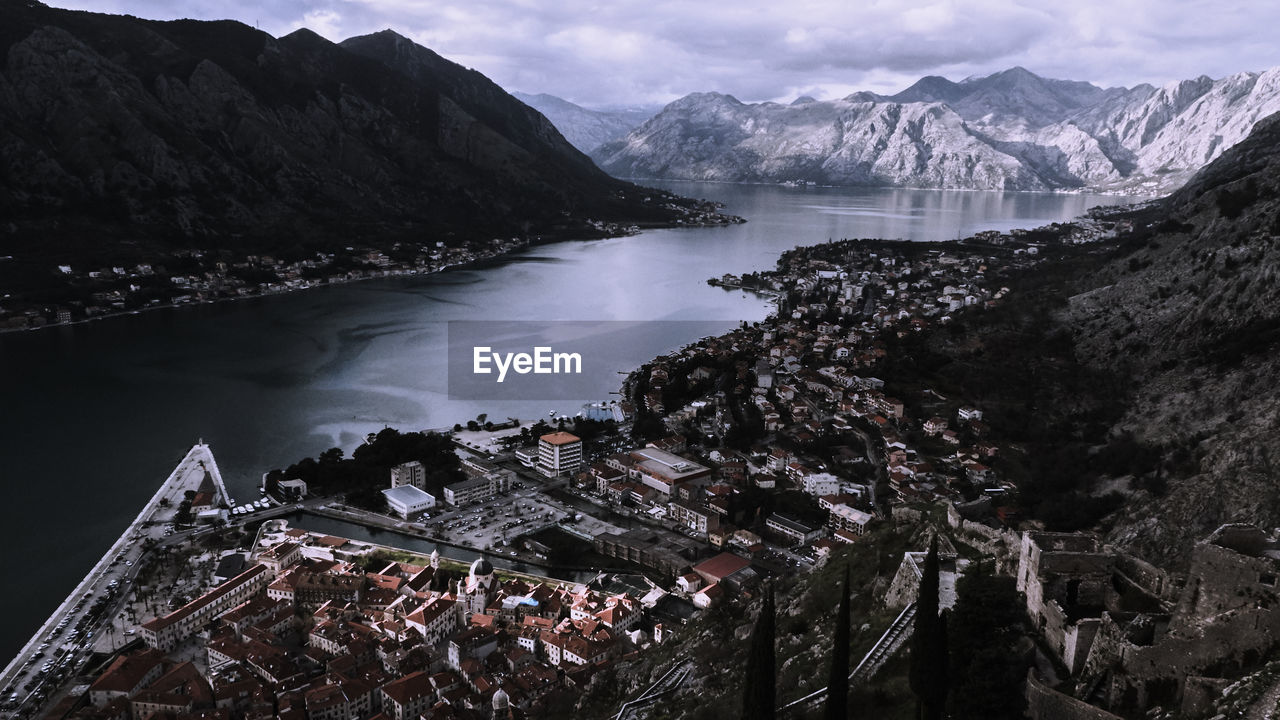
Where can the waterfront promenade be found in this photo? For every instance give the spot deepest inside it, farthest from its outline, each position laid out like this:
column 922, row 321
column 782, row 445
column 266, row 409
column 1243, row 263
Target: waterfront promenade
column 66, row 638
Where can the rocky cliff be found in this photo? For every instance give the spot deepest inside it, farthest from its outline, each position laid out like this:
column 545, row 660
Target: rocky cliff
column 585, row 129
column 1012, row 130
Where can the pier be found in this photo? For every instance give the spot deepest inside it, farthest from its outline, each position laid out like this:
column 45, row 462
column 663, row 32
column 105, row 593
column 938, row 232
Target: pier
column 71, row 632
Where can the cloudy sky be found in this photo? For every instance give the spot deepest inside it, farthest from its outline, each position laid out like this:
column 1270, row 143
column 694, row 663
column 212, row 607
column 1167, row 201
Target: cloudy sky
column 609, row 52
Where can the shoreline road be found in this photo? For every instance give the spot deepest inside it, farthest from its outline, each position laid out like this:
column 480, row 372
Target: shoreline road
column 69, row 633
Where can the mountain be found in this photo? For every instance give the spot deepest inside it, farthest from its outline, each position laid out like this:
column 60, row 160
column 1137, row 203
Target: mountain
column 1189, row 312
column 710, row 136
column 119, row 134
column 586, row 129
column 1010, row 130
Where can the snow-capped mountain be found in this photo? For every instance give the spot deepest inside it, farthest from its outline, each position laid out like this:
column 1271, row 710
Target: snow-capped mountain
column 586, row 129
column 1010, row 130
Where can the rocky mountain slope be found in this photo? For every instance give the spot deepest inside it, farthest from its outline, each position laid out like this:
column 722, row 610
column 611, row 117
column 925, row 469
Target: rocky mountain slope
column 1189, row 311
column 1011, row 130
column 117, row 131
column 585, row 129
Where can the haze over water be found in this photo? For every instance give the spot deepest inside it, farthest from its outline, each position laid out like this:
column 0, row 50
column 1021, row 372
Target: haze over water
column 93, row 417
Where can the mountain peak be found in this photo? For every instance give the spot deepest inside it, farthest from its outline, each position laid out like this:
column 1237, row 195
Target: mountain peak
column 931, row 88
column 306, row 36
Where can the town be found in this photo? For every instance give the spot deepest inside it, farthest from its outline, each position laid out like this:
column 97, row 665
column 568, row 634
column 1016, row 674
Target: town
column 563, row 548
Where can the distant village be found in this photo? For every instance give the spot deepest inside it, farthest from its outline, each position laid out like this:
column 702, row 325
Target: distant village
column 197, row 276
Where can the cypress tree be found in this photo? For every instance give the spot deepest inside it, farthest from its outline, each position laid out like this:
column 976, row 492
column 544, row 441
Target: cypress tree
column 985, row 628
column 928, row 674
column 759, row 695
column 838, row 681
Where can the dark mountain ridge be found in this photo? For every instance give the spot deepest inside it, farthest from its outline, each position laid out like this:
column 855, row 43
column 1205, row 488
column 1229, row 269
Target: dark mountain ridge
column 123, row 136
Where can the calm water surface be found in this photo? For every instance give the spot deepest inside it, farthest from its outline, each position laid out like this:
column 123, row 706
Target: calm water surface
column 93, row 417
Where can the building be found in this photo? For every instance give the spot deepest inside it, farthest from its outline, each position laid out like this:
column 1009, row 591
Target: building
column 476, row 642
column 478, row 489
column 527, row 456
column 126, row 676
column 295, row 489
column 559, row 453
column 664, row 471
column 166, row 632
column 435, row 620
column 843, row 517
column 281, row 557
column 408, row 697
column 721, row 567
column 407, row 500
column 315, row 589
column 819, row 484
column 790, row 529
column 697, row 517
column 410, row 473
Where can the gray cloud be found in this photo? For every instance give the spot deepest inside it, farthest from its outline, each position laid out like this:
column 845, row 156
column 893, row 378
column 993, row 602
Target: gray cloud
column 625, row 52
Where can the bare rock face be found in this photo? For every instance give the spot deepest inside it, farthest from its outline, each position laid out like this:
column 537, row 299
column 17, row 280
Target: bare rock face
column 586, row 129
column 1009, row 131
column 846, row 142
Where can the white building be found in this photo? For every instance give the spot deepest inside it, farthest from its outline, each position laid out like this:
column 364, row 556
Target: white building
column 295, row 489
column 407, row 500
column 819, row 484
column 854, row 520
column 410, row 473
column 559, row 453
column 478, row 489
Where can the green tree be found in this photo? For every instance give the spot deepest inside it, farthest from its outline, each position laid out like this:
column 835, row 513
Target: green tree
column 838, row 680
column 928, row 672
column 985, row 628
column 759, row 694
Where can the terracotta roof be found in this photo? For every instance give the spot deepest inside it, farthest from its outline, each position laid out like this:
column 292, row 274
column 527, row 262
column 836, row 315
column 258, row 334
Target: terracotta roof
column 721, row 566
column 559, row 438
column 127, row 672
column 411, row 686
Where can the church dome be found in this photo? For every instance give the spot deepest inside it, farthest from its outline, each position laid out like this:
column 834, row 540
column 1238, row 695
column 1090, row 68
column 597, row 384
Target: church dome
column 500, row 700
column 481, row 568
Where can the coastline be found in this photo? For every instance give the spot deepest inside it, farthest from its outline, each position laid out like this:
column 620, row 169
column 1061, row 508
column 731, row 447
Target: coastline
column 382, row 274
column 198, row 453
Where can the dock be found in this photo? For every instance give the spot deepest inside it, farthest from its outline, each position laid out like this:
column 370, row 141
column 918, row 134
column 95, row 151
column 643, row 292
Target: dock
column 66, row 645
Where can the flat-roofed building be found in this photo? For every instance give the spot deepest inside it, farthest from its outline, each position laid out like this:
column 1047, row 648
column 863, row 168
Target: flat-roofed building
column 843, row 517
column 559, row 454
column 695, row 516
column 664, row 471
column 410, row 473
column 408, row 500
column 790, row 529
column 478, row 489
column 295, row 489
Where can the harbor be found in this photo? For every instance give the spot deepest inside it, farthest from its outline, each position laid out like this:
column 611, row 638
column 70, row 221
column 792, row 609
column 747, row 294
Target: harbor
column 70, row 635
